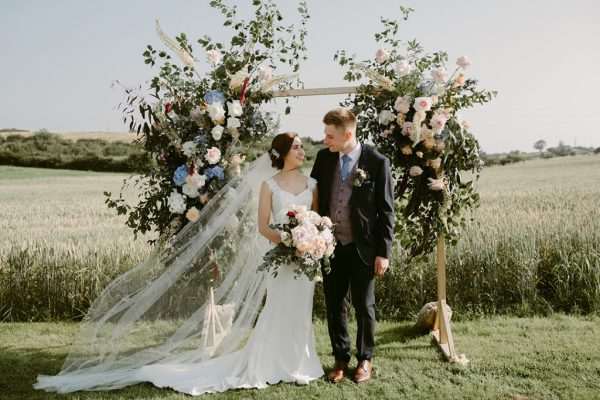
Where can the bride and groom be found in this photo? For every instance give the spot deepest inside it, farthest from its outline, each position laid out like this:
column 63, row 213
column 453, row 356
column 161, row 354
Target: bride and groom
column 351, row 183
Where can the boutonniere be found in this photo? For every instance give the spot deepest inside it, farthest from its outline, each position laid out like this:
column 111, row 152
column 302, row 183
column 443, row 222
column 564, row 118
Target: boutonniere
column 360, row 177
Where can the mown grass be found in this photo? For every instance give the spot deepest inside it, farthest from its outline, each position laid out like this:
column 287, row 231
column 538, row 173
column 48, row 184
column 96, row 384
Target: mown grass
column 510, row 358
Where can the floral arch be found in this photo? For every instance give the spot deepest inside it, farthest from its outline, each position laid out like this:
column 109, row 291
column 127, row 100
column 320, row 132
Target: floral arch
column 196, row 130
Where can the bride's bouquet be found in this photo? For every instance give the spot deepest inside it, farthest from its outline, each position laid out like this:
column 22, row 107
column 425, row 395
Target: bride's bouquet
column 307, row 241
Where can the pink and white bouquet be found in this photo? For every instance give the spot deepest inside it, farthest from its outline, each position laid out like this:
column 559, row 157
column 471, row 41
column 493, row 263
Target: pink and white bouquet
column 307, row 242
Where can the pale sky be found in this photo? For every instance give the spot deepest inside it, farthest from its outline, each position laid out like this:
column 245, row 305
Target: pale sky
column 59, row 57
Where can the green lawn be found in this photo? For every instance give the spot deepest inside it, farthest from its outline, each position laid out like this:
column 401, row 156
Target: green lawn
column 511, row 358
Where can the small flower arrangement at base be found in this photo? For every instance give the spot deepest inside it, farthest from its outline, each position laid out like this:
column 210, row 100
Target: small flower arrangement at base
column 307, row 241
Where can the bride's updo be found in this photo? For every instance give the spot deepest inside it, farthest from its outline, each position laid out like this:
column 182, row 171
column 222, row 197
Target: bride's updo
column 280, row 146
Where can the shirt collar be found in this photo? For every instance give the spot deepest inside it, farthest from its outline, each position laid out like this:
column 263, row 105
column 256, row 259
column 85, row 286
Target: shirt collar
column 354, row 154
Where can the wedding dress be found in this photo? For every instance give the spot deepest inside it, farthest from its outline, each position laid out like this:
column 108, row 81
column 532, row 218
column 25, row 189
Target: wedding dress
column 280, row 348
column 190, row 317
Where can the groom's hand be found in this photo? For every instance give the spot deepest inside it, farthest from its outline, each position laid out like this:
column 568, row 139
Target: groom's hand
column 381, row 265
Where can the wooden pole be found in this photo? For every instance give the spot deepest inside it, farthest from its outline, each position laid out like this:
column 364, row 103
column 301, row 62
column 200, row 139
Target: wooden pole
column 441, row 330
column 315, row 91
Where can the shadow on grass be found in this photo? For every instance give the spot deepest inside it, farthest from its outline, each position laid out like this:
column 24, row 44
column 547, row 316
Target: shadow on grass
column 19, row 370
column 403, row 333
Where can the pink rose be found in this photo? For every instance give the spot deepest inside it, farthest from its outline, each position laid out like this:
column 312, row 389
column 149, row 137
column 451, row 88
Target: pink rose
column 402, row 105
column 463, row 61
column 382, row 55
column 435, row 184
column 422, row 104
column 213, row 155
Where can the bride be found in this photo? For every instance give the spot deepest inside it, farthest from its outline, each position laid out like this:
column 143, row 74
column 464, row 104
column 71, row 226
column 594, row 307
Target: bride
column 162, row 323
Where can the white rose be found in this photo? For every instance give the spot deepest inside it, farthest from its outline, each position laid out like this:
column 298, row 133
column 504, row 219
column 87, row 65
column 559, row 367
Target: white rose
column 189, row 148
column 217, row 132
column 402, row 104
column 407, row 128
column 190, row 190
column 176, row 203
column 382, row 55
column 314, row 217
column 326, row 221
column 385, row 117
column 196, row 180
column 422, row 104
column 286, row 238
column 213, row 155
column 216, row 111
column 234, row 108
column 264, row 73
column 463, row 61
column 213, row 57
column 327, row 235
column 415, row 170
column 402, row 68
column 439, row 75
column 192, row 214
column 233, row 123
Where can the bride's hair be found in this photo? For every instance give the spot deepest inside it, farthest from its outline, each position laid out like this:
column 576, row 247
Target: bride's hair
column 280, row 146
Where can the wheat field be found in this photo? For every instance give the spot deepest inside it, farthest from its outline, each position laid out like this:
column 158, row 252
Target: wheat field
column 532, row 247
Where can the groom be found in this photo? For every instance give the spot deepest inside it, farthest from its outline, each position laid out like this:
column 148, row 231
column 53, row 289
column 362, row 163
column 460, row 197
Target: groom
column 355, row 191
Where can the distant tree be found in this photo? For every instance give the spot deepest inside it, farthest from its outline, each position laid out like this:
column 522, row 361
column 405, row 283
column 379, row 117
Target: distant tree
column 540, row 145
column 561, row 150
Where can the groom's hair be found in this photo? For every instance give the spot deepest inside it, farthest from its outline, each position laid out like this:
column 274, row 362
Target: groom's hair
column 341, row 118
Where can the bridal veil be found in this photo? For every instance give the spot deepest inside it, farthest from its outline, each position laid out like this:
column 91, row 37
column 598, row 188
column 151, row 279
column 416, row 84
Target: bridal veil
column 194, row 299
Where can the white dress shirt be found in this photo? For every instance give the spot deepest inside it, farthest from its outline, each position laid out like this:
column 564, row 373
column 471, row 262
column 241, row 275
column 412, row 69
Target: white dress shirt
column 354, row 155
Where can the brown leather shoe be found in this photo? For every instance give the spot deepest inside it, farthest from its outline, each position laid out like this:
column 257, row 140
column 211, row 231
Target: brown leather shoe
column 337, row 372
column 363, row 371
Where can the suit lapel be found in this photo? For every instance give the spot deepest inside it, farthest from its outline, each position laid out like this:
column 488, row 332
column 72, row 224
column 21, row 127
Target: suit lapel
column 328, row 176
column 359, row 164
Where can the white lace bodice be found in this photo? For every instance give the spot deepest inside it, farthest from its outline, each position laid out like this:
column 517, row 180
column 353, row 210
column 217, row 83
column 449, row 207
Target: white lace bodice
column 281, row 199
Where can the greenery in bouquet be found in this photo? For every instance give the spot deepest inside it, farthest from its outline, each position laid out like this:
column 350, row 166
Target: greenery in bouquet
column 198, row 128
column 307, row 242
column 410, row 110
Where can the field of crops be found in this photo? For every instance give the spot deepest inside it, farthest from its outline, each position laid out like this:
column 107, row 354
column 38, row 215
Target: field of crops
column 532, row 247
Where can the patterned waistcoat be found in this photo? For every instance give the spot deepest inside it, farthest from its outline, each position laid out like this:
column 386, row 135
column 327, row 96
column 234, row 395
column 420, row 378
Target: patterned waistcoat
column 339, row 207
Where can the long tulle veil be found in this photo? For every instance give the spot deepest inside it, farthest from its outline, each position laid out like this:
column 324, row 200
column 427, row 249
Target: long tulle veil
column 192, row 300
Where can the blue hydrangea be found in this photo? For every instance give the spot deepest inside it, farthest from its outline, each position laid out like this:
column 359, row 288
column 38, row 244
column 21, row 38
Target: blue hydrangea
column 200, row 139
column 214, row 172
column 180, row 175
column 215, row 96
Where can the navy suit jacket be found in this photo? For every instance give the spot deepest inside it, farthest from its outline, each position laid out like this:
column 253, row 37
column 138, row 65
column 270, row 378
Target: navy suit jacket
column 371, row 203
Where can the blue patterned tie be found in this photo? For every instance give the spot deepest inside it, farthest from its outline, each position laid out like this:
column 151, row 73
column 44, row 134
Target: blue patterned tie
column 345, row 166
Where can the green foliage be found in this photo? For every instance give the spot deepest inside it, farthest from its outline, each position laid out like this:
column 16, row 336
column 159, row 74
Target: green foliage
column 176, row 121
column 410, row 137
column 47, row 150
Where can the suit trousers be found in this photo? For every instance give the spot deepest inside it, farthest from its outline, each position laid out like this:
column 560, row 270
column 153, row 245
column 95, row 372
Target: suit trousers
column 349, row 272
